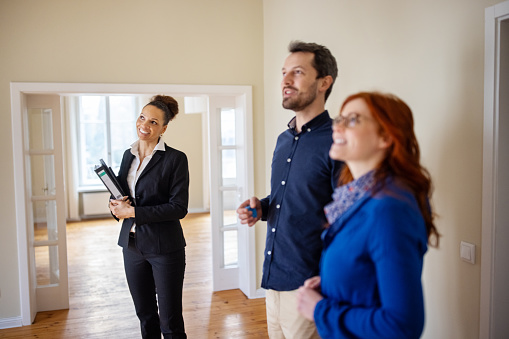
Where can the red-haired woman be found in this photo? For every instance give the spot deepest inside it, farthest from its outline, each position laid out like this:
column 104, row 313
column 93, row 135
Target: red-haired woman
column 380, row 225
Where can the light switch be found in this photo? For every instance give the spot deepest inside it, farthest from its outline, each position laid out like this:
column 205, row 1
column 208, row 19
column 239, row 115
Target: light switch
column 467, row 252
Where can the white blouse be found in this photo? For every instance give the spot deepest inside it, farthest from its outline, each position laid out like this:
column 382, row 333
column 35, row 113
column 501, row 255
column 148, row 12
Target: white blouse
column 136, row 169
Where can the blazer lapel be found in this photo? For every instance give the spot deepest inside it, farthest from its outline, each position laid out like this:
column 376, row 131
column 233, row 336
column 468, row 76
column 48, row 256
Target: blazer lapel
column 155, row 159
column 124, row 170
column 127, row 164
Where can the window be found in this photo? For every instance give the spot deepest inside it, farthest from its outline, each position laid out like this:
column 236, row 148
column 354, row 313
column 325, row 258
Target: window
column 106, row 128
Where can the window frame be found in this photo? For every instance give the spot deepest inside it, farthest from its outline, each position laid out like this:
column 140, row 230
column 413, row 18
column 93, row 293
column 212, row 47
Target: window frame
column 82, row 184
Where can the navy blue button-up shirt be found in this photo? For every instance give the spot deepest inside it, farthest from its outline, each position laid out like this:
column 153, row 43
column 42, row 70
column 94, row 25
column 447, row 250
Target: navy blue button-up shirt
column 302, row 182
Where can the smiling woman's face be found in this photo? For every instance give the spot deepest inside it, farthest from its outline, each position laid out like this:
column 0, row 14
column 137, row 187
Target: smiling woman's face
column 150, row 124
column 360, row 145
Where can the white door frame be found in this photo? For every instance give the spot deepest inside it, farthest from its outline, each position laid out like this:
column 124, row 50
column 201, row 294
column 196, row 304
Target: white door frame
column 19, row 89
column 493, row 17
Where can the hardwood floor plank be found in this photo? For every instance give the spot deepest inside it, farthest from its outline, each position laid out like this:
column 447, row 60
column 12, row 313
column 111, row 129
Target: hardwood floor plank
column 100, row 303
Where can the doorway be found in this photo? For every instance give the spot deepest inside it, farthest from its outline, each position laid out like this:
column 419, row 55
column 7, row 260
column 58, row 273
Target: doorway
column 243, row 104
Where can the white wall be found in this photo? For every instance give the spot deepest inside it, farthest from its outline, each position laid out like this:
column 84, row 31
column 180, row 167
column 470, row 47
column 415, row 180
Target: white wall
column 430, row 53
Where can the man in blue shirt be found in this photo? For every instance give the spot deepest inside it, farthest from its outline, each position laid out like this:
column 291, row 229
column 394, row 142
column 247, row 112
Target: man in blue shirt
column 302, row 182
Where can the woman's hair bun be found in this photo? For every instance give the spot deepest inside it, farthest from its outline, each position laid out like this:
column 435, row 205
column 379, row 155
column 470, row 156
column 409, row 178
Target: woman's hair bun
column 167, row 104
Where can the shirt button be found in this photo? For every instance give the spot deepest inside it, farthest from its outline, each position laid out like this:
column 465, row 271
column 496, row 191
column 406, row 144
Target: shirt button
column 288, row 160
column 269, row 252
column 309, row 129
column 273, row 230
column 283, row 182
column 296, row 138
column 278, row 206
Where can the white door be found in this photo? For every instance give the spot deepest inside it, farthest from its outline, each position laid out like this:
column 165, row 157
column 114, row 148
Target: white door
column 46, row 204
column 230, row 169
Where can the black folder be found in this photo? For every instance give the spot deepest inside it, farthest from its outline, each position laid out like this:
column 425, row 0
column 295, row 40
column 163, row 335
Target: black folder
column 109, row 179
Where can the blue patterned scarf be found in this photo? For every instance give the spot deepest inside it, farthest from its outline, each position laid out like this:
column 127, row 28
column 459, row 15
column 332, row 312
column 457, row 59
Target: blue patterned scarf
column 345, row 196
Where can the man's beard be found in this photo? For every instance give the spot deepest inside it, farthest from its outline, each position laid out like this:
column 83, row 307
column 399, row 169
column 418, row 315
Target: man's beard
column 298, row 103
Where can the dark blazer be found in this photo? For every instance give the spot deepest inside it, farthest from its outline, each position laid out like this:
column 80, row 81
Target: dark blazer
column 162, row 197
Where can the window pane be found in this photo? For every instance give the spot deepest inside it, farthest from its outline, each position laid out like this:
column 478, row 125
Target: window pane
column 93, row 147
column 227, row 127
column 93, row 138
column 122, row 108
column 45, row 217
column 46, row 265
column 229, row 166
column 123, row 115
column 40, row 127
column 107, row 128
column 93, row 109
column 231, row 252
column 42, row 174
column 229, row 208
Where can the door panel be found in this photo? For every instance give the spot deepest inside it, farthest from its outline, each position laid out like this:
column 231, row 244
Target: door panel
column 45, row 191
column 230, row 145
column 224, row 198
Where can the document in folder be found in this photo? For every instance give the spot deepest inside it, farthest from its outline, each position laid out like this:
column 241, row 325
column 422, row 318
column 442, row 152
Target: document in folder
column 109, row 180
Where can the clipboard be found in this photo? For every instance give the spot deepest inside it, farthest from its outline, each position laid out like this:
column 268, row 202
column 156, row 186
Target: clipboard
column 108, row 178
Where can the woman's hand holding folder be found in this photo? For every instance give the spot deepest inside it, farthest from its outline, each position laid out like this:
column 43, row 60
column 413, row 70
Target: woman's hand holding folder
column 121, row 208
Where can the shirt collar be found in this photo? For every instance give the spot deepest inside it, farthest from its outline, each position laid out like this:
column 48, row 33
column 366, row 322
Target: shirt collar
column 135, row 147
column 317, row 121
column 347, row 195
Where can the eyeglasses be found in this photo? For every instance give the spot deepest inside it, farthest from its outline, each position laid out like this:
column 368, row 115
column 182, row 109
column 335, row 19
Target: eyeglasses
column 350, row 121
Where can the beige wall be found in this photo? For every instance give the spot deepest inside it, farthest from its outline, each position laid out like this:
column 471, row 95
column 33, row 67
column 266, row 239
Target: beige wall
column 430, row 53
column 121, row 41
column 185, row 134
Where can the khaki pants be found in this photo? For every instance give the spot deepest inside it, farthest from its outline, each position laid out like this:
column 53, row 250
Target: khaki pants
column 283, row 319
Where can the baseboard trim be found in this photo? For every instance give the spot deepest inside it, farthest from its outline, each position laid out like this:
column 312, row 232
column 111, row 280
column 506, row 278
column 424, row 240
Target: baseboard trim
column 10, row 322
column 260, row 293
column 197, row 210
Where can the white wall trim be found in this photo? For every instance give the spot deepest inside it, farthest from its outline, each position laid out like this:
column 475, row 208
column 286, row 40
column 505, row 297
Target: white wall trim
column 492, row 17
column 10, row 322
column 260, row 293
column 103, row 88
column 246, row 104
column 19, row 200
column 198, row 210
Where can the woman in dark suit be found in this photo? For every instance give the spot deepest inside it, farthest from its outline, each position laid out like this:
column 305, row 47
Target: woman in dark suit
column 157, row 179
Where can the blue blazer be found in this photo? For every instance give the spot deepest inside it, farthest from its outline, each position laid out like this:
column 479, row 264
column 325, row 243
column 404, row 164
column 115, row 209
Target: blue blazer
column 371, row 269
column 162, row 197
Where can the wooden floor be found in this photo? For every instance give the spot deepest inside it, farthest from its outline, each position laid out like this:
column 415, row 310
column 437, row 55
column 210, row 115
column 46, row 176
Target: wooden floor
column 101, row 306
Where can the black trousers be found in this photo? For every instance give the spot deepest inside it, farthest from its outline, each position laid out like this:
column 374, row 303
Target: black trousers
column 161, row 274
